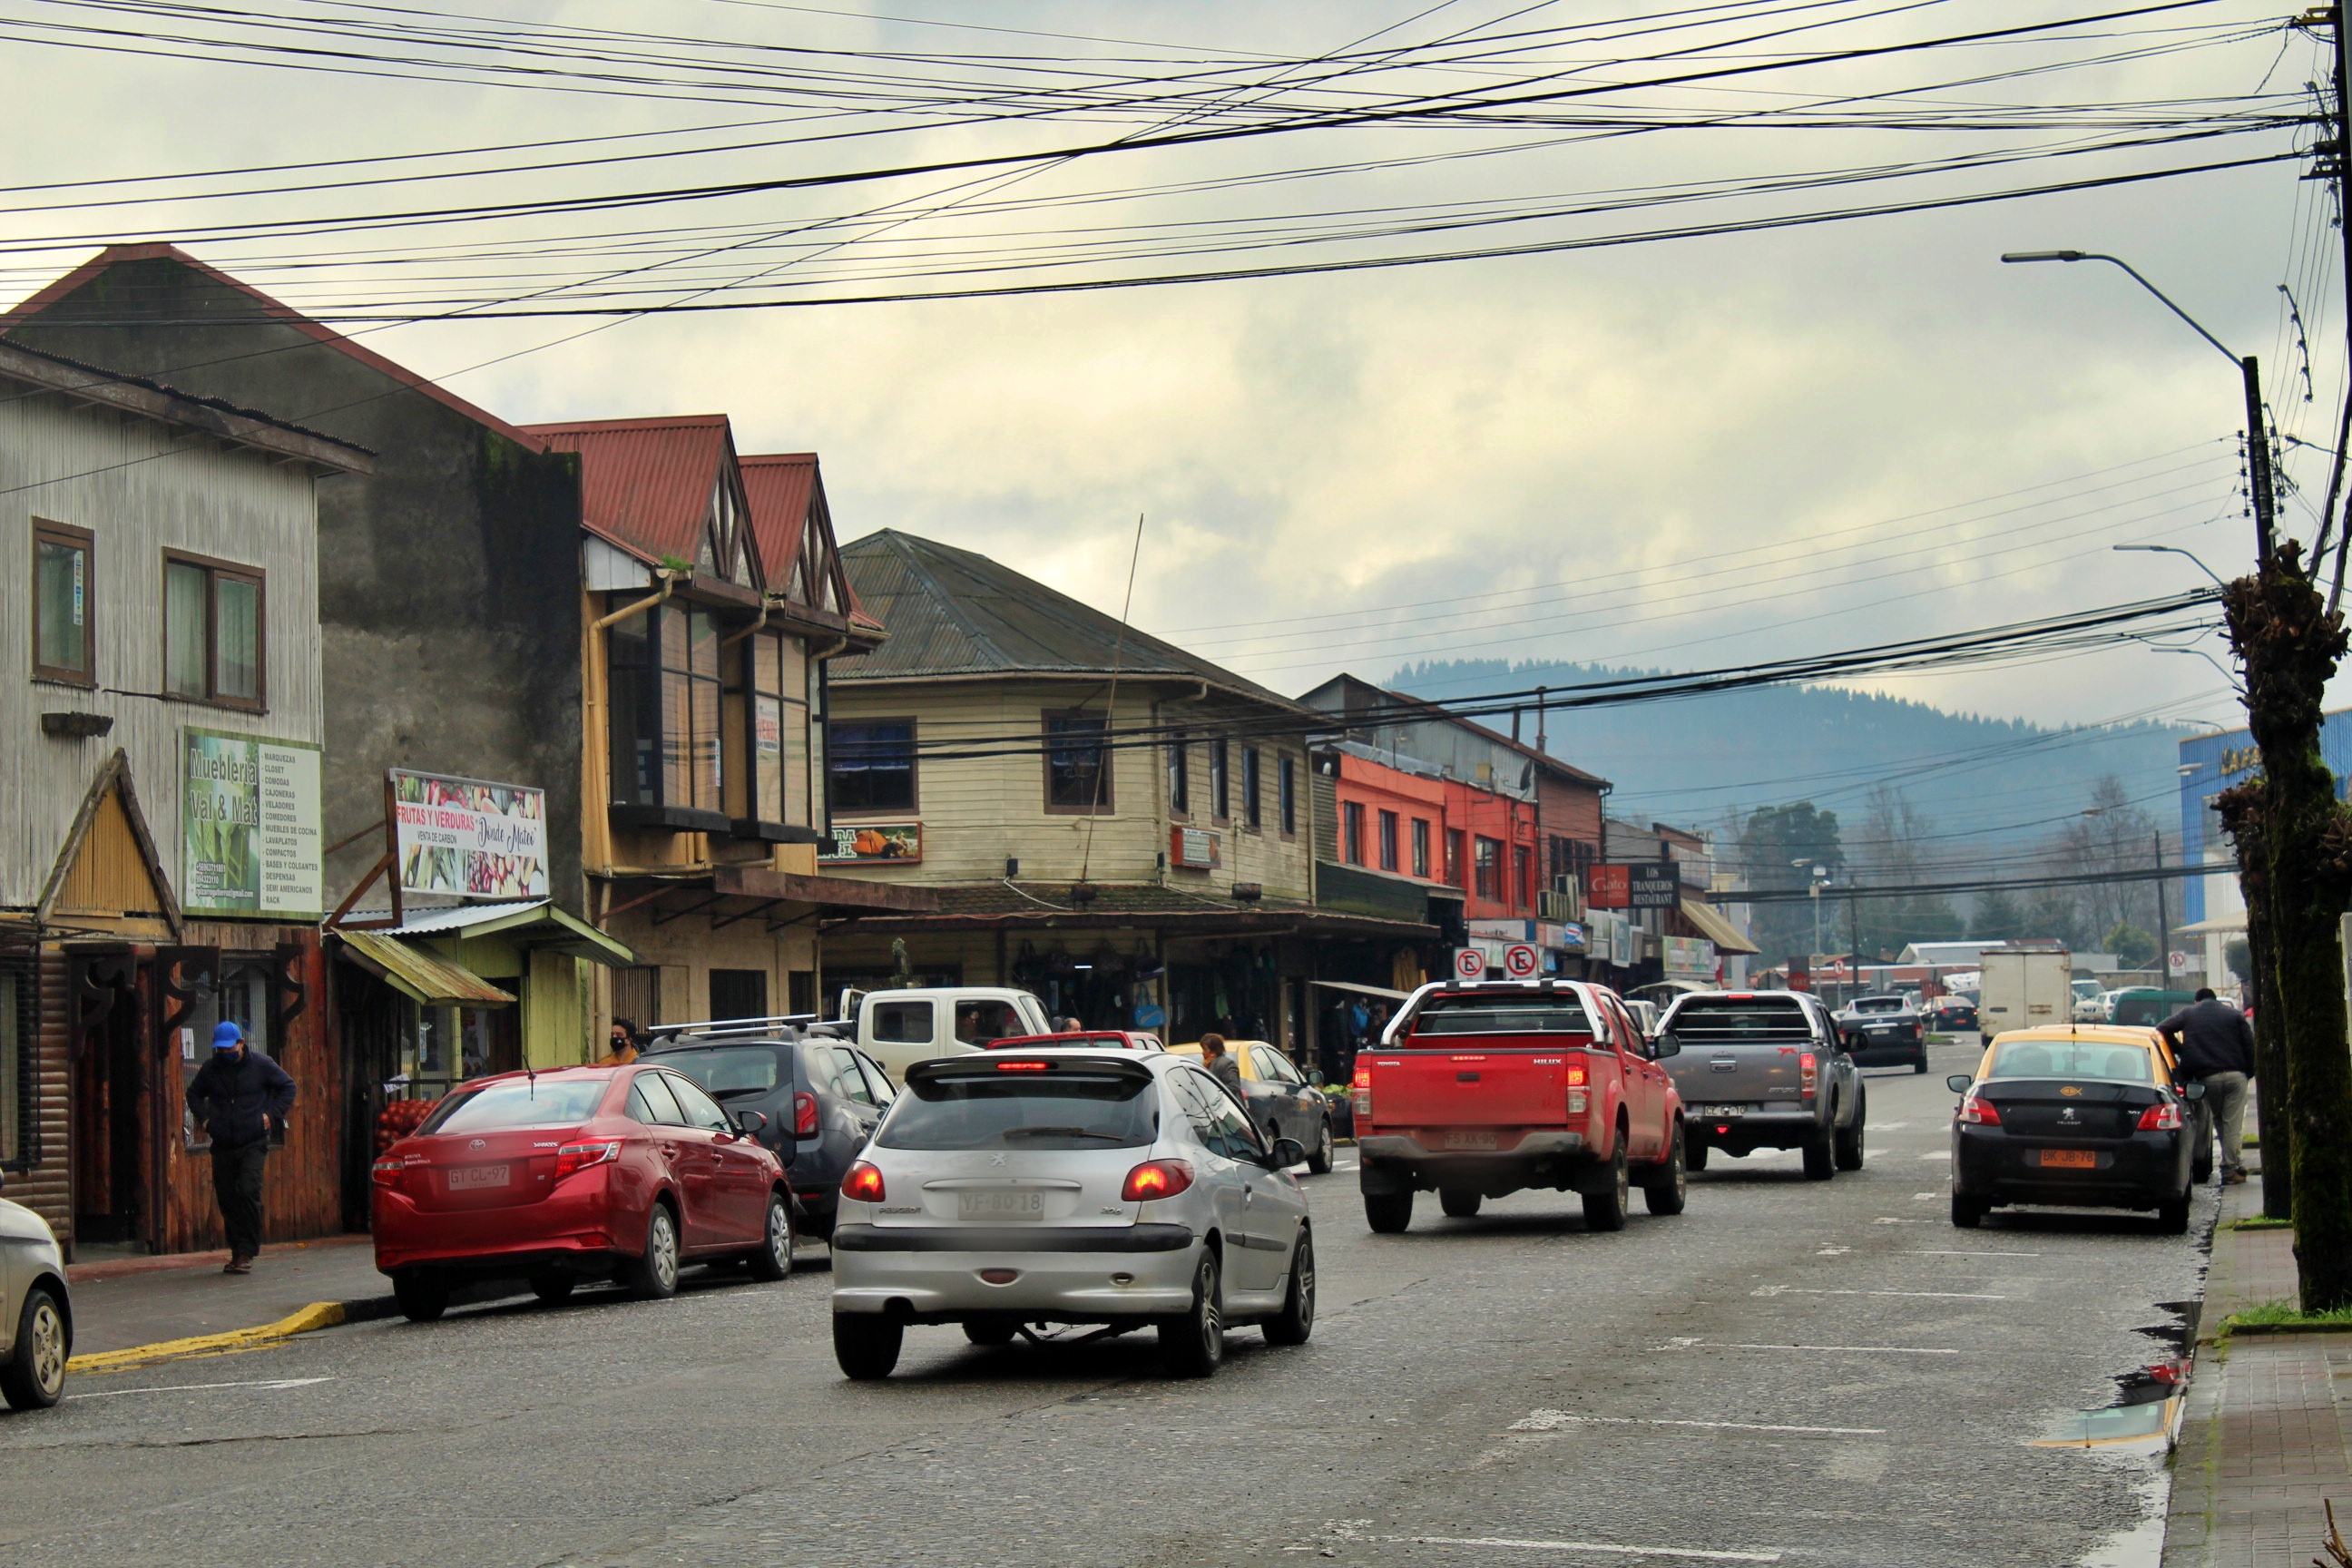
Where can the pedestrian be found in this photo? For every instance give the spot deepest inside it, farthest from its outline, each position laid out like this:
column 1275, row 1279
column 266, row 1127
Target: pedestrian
column 238, row 1097
column 2214, row 1045
column 623, row 1040
column 1220, row 1062
column 1069, row 1026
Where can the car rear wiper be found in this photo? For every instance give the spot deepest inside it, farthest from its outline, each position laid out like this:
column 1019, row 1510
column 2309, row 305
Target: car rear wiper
column 1012, row 1133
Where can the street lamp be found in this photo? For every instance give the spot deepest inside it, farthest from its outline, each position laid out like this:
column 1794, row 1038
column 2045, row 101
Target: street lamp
column 2174, row 550
column 1820, row 879
column 2258, row 451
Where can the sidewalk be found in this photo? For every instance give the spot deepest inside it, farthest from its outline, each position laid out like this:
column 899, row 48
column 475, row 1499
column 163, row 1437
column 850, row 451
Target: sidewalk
column 2268, row 1431
column 129, row 1302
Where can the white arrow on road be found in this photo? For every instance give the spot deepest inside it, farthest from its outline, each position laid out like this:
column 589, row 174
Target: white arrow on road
column 272, row 1384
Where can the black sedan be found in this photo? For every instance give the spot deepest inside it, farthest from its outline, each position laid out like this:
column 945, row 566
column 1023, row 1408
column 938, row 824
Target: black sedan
column 1885, row 1029
column 1953, row 1016
column 2075, row 1124
column 823, row 1098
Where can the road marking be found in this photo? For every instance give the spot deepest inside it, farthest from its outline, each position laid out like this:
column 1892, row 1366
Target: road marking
column 1612, row 1549
column 1885, row 1126
column 1938, row 1154
column 1551, row 1420
column 317, row 1315
column 1683, row 1345
column 1816, row 1290
column 1890, row 1219
column 272, row 1384
column 1833, row 1251
column 1938, row 1252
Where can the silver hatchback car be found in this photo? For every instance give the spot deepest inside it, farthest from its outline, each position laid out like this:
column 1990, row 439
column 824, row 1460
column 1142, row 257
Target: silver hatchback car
column 35, row 1311
column 1018, row 1187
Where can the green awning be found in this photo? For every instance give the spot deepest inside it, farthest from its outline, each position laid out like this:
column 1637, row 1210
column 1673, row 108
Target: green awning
column 424, row 978
column 534, row 924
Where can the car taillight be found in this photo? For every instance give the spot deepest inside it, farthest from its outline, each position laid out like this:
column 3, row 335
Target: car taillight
column 1362, row 1085
column 387, row 1170
column 2161, row 1117
column 1156, row 1179
column 580, row 1156
column 803, row 1114
column 1978, row 1113
column 1576, row 1075
column 1809, row 1075
column 1577, row 1101
column 862, row 1183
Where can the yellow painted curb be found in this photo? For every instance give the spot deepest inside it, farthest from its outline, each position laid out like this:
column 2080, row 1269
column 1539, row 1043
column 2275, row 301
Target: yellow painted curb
column 317, row 1315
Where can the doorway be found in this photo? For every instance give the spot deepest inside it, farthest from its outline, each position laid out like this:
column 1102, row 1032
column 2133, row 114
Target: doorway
column 109, row 1139
column 739, row 994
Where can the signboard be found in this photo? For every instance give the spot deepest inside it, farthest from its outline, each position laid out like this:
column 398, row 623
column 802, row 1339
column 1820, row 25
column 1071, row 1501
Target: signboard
column 1607, row 887
column 1690, row 958
column 870, row 842
column 249, row 827
column 469, row 838
column 1655, row 886
column 1469, row 963
column 1571, row 936
column 1521, row 960
column 1194, row 846
column 2179, row 963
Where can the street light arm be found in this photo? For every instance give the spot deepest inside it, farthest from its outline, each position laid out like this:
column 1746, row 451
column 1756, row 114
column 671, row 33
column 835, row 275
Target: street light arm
column 2133, row 272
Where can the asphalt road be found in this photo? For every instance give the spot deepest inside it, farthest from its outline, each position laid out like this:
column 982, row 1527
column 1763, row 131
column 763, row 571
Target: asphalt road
column 1793, row 1372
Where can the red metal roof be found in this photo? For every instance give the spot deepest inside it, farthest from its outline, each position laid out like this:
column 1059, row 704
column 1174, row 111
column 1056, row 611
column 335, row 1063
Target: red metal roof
column 648, row 484
column 787, row 500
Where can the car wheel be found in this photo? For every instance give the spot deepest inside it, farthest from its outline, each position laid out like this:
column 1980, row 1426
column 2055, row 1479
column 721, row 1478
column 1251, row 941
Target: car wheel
column 1388, row 1213
column 1849, row 1138
column 1919, row 1059
column 653, row 1277
column 1668, row 1188
column 2172, row 1218
column 1820, row 1155
column 1606, row 1210
column 866, row 1344
column 422, row 1294
column 1968, row 1212
column 552, row 1289
column 990, row 1331
column 34, row 1375
column 773, row 1261
column 1193, row 1343
column 1694, row 1156
column 2201, row 1169
column 1318, row 1158
column 1297, row 1319
column 1459, row 1203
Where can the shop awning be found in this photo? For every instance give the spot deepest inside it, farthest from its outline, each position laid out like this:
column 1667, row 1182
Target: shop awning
column 423, row 978
column 536, row 923
column 1350, row 986
column 1712, row 925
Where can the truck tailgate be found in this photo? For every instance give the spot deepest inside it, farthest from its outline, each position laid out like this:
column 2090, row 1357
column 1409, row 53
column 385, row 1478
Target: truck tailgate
column 1736, row 1075
column 1472, row 1088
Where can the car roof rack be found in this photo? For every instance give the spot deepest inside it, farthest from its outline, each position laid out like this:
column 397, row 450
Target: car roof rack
column 728, row 1025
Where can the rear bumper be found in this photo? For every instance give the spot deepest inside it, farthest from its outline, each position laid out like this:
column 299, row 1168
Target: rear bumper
column 1086, row 1275
column 578, row 1231
column 2141, row 1172
column 1758, row 1127
column 1862, row 1049
column 1402, row 1162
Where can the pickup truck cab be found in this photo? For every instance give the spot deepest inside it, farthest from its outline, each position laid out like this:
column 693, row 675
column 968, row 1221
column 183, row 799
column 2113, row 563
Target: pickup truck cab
column 1765, row 1069
column 1486, row 1087
column 900, row 1028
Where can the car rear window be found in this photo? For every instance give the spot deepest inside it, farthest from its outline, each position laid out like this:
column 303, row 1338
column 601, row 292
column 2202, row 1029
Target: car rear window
column 1534, row 1014
column 1024, row 1111
column 728, row 1072
column 1878, row 1004
column 1740, row 1020
column 2072, row 1059
column 518, row 1103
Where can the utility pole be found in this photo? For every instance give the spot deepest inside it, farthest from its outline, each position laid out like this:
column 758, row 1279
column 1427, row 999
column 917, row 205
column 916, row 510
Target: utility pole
column 2258, row 460
column 2163, row 921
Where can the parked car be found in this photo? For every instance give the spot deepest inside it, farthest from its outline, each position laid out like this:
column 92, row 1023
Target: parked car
column 1767, row 1070
column 2146, row 1005
column 1953, row 1016
column 577, row 1173
column 1121, row 1188
column 900, row 1028
column 1487, row 1088
column 35, row 1310
column 821, row 1098
column 2050, row 1117
column 1645, row 1014
column 1281, row 1101
column 2167, row 1070
column 1884, row 1028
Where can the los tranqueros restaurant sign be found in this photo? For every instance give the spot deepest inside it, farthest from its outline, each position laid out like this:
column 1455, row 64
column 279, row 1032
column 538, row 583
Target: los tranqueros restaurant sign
column 469, row 838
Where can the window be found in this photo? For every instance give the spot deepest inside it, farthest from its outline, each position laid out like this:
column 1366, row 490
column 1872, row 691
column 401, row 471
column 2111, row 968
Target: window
column 652, row 1104
column 13, row 1076
column 1489, row 869
column 1352, row 817
column 903, row 1023
column 755, row 729
column 1286, row 789
column 1456, row 871
column 1179, row 777
column 879, row 1081
column 510, row 1104
column 1252, row 811
column 978, row 1023
column 1421, row 847
column 845, row 1073
column 1221, row 804
column 739, row 994
column 1388, row 841
column 65, row 633
column 1075, row 1110
column 1078, row 764
column 667, row 749
column 212, row 632
column 871, row 766
column 1523, row 879
column 701, row 1110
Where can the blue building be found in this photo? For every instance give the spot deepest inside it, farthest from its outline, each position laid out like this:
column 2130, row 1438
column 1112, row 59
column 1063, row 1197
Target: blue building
column 2211, row 764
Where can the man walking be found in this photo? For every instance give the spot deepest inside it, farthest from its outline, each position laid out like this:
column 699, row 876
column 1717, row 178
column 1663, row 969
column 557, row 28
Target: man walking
column 2215, row 1046
column 238, row 1097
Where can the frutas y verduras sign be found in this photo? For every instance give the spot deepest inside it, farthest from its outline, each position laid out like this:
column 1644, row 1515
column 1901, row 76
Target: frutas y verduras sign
column 249, row 826
column 468, row 837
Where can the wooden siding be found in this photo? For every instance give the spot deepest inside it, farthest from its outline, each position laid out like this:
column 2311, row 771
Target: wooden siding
column 110, row 876
column 44, row 1182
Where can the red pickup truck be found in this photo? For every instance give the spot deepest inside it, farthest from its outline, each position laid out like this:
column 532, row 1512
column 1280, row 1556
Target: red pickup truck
column 1484, row 1088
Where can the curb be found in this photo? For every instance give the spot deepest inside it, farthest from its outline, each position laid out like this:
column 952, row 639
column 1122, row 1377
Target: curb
column 124, row 1267
column 309, row 1320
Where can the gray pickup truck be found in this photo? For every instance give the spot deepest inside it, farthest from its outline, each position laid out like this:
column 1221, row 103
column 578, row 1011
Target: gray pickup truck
column 1765, row 1070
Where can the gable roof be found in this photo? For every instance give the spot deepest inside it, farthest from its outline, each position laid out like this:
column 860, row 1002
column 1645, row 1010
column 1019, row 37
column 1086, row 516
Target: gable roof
column 89, row 383
column 663, row 488
column 794, row 527
column 955, row 613
column 270, row 310
column 1367, row 704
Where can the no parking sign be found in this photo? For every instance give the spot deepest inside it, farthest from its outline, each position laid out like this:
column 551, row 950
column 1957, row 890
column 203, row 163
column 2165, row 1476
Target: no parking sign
column 1469, row 963
column 1521, row 960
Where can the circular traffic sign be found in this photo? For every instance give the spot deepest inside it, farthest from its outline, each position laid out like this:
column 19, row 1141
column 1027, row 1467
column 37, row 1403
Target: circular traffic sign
column 1520, row 961
column 1469, row 963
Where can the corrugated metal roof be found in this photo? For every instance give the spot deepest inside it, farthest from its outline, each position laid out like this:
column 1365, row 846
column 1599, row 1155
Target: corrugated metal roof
column 423, row 978
column 432, row 922
column 646, row 484
column 779, row 486
column 956, row 613
column 533, row 924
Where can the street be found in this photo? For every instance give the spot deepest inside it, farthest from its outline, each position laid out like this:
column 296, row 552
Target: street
column 1790, row 1372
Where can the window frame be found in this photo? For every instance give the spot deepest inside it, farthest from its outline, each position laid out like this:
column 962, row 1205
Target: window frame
column 1180, row 776
column 1421, row 848
column 83, row 540
column 1286, row 795
column 1458, row 858
column 1220, row 781
column 1105, row 797
column 833, row 751
column 1486, row 869
column 215, row 570
column 1253, row 794
column 1351, row 832
column 1386, row 838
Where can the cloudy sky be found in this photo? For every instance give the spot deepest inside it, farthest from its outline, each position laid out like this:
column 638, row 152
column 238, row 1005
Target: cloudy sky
column 1695, row 451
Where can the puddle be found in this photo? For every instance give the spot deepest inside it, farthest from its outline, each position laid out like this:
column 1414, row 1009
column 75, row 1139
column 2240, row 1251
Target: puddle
column 2141, row 1546
column 2144, row 1428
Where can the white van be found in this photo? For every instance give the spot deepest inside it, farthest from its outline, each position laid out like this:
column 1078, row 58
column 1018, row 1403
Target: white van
column 898, row 1028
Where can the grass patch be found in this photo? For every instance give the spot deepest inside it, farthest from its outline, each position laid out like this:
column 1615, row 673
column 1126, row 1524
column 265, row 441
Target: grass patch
column 2286, row 1313
column 2262, row 1222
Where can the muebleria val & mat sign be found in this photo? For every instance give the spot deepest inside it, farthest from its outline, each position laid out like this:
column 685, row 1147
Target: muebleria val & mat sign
column 249, row 826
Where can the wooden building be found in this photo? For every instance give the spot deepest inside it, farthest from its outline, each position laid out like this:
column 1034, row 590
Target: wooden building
column 159, row 821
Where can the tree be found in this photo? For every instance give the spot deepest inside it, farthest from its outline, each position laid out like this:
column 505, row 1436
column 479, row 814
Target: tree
column 1997, row 917
column 2132, row 946
column 1772, row 840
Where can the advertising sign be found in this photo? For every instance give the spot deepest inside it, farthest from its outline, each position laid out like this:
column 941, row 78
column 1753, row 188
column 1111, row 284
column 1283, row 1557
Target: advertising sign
column 867, row 842
column 1654, row 886
column 1194, row 846
column 1606, row 887
column 469, row 838
column 249, row 827
column 1690, row 958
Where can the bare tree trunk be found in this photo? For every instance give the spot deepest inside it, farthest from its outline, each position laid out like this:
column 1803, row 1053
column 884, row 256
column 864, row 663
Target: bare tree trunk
column 2241, row 808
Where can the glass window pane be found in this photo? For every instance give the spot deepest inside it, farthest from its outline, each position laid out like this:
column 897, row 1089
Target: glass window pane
column 673, row 744
column 184, row 650
column 1074, row 772
column 872, row 767
column 62, row 604
column 767, row 758
column 708, row 746
column 237, row 641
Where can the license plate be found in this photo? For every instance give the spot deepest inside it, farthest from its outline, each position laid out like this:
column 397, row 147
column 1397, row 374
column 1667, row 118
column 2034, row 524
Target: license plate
column 1469, row 1140
column 1723, row 1110
column 2069, row 1159
column 466, row 1178
column 1000, row 1205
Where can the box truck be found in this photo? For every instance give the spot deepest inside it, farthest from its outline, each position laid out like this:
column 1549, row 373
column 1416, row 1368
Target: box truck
column 2025, row 985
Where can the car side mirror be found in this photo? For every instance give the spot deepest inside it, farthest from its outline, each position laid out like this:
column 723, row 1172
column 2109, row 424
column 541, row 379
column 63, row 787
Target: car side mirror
column 1288, row 1151
column 752, row 1123
column 1664, row 1045
column 1958, row 1083
column 2193, row 1091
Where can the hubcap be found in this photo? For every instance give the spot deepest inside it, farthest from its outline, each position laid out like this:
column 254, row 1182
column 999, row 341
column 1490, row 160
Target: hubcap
column 1323, row 1149
column 48, row 1348
column 1306, row 1282
column 664, row 1249
column 1212, row 1317
column 780, row 1236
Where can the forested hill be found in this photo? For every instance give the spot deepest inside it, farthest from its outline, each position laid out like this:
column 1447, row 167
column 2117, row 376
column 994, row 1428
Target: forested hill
column 1688, row 760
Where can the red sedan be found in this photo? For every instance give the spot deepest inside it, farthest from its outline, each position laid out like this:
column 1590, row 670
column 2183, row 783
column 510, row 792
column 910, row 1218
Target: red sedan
column 577, row 1173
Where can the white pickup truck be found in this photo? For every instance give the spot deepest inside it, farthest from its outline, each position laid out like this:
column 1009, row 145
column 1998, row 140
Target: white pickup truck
column 898, row 1028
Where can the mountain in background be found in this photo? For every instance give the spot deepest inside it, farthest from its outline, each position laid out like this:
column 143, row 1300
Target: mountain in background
column 1691, row 760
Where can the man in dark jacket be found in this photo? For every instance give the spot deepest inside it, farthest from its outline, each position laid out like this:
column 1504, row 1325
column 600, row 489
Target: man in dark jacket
column 2215, row 1046
column 236, row 1097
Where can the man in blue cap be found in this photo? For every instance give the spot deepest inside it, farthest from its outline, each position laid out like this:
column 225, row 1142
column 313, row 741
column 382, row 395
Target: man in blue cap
column 238, row 1097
